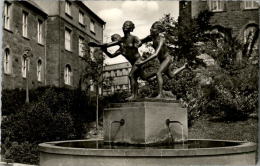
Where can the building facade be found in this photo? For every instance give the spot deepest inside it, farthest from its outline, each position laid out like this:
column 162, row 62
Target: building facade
column 239, row 18
column 235, row 15
column 64, row 26
column 119, row 73
column 23, row 35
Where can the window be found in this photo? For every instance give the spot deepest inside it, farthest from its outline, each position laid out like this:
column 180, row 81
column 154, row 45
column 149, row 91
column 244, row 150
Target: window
column 25, row 24
column 39, row 31
column 67, row 75
column 216, row 5
column 92, row 26
column 81, row 46
column 7, row 15
column 68, row 8
column 39, row 70
column 249, row 4
column 7, row 62
column 25, row 64
column 249, row 35
column 67, row 39
column 81, row 17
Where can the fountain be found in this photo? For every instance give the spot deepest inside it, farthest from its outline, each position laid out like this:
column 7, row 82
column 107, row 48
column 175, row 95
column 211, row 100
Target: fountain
column 141, row 137
column 146, row 132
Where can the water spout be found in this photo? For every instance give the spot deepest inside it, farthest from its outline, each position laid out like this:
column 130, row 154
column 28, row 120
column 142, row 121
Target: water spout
column 121, row 123
column 168, row 122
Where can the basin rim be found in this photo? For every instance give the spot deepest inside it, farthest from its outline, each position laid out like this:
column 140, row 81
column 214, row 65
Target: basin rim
column 244, row 147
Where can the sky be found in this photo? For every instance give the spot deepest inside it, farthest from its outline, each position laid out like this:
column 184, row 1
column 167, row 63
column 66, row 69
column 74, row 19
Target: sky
column 142, row 13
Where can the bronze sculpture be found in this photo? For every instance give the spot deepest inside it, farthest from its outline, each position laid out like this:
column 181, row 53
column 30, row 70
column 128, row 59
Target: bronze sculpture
column 128, row 47
column 161, row 51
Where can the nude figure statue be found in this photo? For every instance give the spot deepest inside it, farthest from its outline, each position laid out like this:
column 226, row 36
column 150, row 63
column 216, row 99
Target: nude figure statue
column 128, row 47
column 161, row 51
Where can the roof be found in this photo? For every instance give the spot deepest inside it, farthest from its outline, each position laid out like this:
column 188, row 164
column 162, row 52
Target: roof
column 35, row 6
column 91, row 12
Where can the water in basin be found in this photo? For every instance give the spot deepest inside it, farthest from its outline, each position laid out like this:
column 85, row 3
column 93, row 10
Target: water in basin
column 190, row 144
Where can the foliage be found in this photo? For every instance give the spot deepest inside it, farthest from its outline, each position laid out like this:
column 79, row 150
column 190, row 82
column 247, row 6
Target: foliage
column 236, row 97
column 93, row 73
column 94, row 66
column 230, row 91
column 225, row 52
column 56, row 114
column 182, row 42
column 21, row 152
column 235, row 83
column 183, row 38
column 17, row 95
column 116, row 97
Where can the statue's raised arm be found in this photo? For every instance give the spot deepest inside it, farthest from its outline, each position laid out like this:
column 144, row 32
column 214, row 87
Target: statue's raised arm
column 114, row 38
column 106, row 45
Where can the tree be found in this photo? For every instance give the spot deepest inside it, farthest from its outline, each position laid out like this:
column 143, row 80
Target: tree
column 93, row 73
column 182, row 41
column 183, row 38
column 230, row 91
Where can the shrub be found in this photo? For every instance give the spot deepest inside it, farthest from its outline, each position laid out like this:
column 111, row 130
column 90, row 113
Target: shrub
column 29, row 127
column 56, row 114
column 22, row 152
column 117, row 97
column 13, row 100
column 236, row 96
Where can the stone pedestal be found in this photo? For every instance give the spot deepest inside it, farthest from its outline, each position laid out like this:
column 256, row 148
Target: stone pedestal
column 144, row 122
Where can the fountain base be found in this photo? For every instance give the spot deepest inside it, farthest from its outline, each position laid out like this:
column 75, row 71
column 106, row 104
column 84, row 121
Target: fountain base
column 145, row 122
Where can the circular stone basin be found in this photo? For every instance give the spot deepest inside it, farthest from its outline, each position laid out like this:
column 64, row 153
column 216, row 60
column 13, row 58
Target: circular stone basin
column 193, row 152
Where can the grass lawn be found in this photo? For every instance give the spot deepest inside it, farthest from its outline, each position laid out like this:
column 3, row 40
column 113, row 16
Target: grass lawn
column 241, row 130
